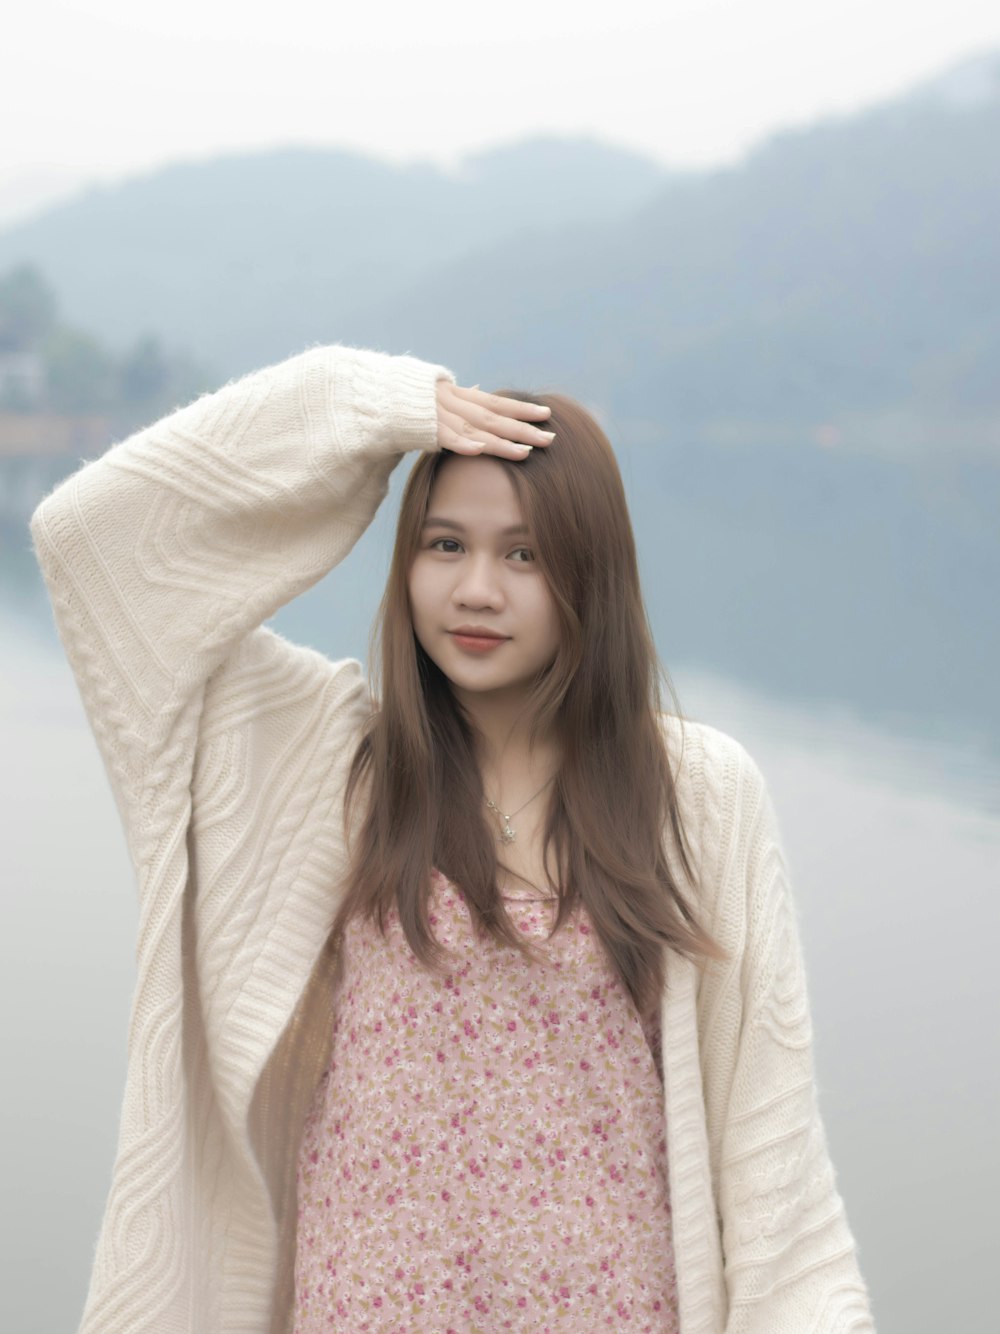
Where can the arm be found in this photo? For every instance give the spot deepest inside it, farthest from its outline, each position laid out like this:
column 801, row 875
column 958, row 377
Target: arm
column 165, row 552
column 790, row 1258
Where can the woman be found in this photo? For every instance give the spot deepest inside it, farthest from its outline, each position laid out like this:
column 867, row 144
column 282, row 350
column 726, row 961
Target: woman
column 472, row 1002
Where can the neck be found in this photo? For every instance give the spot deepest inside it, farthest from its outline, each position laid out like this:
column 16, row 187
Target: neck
column 507, row 760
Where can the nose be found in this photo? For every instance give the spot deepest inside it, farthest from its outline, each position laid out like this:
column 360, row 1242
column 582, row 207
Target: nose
column 478, row 585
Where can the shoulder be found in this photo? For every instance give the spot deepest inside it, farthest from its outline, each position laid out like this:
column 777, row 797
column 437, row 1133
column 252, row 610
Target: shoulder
column 704, row 753
column 721, row 794
column 711, row 767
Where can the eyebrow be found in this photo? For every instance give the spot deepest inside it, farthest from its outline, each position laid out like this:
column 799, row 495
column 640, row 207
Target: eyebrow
column 433, row 521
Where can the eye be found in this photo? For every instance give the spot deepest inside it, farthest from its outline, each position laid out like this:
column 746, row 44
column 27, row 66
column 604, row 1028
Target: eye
column 437, row 540
column 527, row 552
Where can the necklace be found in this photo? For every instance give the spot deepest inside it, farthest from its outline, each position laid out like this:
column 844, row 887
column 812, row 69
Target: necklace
column 508, row 835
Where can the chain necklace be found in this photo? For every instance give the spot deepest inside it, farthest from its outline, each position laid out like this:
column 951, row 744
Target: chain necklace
column 508, row 835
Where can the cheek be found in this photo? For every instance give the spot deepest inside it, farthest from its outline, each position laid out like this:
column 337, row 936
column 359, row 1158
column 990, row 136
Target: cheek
column 425, row 602
column 419, row 590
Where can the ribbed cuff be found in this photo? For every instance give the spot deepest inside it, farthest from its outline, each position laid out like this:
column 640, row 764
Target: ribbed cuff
column 398, row 393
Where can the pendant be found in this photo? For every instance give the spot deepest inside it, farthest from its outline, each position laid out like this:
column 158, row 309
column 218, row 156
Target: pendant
column 508, row 834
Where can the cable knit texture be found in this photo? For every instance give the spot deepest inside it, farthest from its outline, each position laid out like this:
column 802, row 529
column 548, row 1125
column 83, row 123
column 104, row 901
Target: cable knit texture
column 227, row 746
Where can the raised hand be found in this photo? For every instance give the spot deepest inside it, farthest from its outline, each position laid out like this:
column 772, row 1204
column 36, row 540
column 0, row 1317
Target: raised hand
column 471, row 421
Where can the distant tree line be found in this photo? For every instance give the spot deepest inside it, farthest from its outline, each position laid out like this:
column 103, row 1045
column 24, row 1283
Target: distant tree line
column 47, row 365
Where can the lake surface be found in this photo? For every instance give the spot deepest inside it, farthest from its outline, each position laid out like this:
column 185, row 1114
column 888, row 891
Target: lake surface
column 894, row 850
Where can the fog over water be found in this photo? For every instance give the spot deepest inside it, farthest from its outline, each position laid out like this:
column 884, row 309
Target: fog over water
column 894, row 849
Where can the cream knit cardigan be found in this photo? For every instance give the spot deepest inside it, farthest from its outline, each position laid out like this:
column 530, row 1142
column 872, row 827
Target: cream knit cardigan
column 226, row 747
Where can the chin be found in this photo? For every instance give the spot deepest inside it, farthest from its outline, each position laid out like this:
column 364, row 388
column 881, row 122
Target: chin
column 482, row 676
column 485, row 685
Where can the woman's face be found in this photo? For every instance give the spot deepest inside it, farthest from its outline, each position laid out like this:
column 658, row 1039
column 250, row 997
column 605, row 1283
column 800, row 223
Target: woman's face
column 471, row 572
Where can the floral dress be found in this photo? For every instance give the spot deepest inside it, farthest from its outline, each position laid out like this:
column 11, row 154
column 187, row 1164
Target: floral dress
column 487, row 1150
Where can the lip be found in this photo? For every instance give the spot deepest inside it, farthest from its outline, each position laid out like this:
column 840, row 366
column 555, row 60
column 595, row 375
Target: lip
column 476, row 632
column 481, row 643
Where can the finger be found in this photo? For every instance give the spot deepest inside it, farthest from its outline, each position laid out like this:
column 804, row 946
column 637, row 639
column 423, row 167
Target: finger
column 510, row 407
column 503, row 427
column 499, row 403
column 455, row 433
column 507, row 427
column 458, row 434
column 449, row 438
column 466, row 438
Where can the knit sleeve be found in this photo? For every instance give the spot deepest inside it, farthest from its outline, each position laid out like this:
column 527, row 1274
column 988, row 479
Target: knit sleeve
column 790, row 1258
column 164, row 553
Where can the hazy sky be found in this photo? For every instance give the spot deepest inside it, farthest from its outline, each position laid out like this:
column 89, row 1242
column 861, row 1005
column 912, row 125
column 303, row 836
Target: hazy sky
column 101, row 87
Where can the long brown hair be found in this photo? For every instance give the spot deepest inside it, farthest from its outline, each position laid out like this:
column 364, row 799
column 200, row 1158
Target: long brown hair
column 613, row 798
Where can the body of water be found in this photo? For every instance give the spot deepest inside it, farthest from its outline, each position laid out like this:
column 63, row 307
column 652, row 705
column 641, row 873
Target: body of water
column 894, row 850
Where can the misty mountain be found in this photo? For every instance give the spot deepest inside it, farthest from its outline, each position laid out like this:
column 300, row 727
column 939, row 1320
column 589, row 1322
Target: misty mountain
column 247, row 258
column 842, row 282
column 794, row 357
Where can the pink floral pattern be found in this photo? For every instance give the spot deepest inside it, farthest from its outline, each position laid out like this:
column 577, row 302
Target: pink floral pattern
column 486, row 1151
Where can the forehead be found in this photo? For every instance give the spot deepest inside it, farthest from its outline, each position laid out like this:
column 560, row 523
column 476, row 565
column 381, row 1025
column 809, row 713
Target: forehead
column 474, row 491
